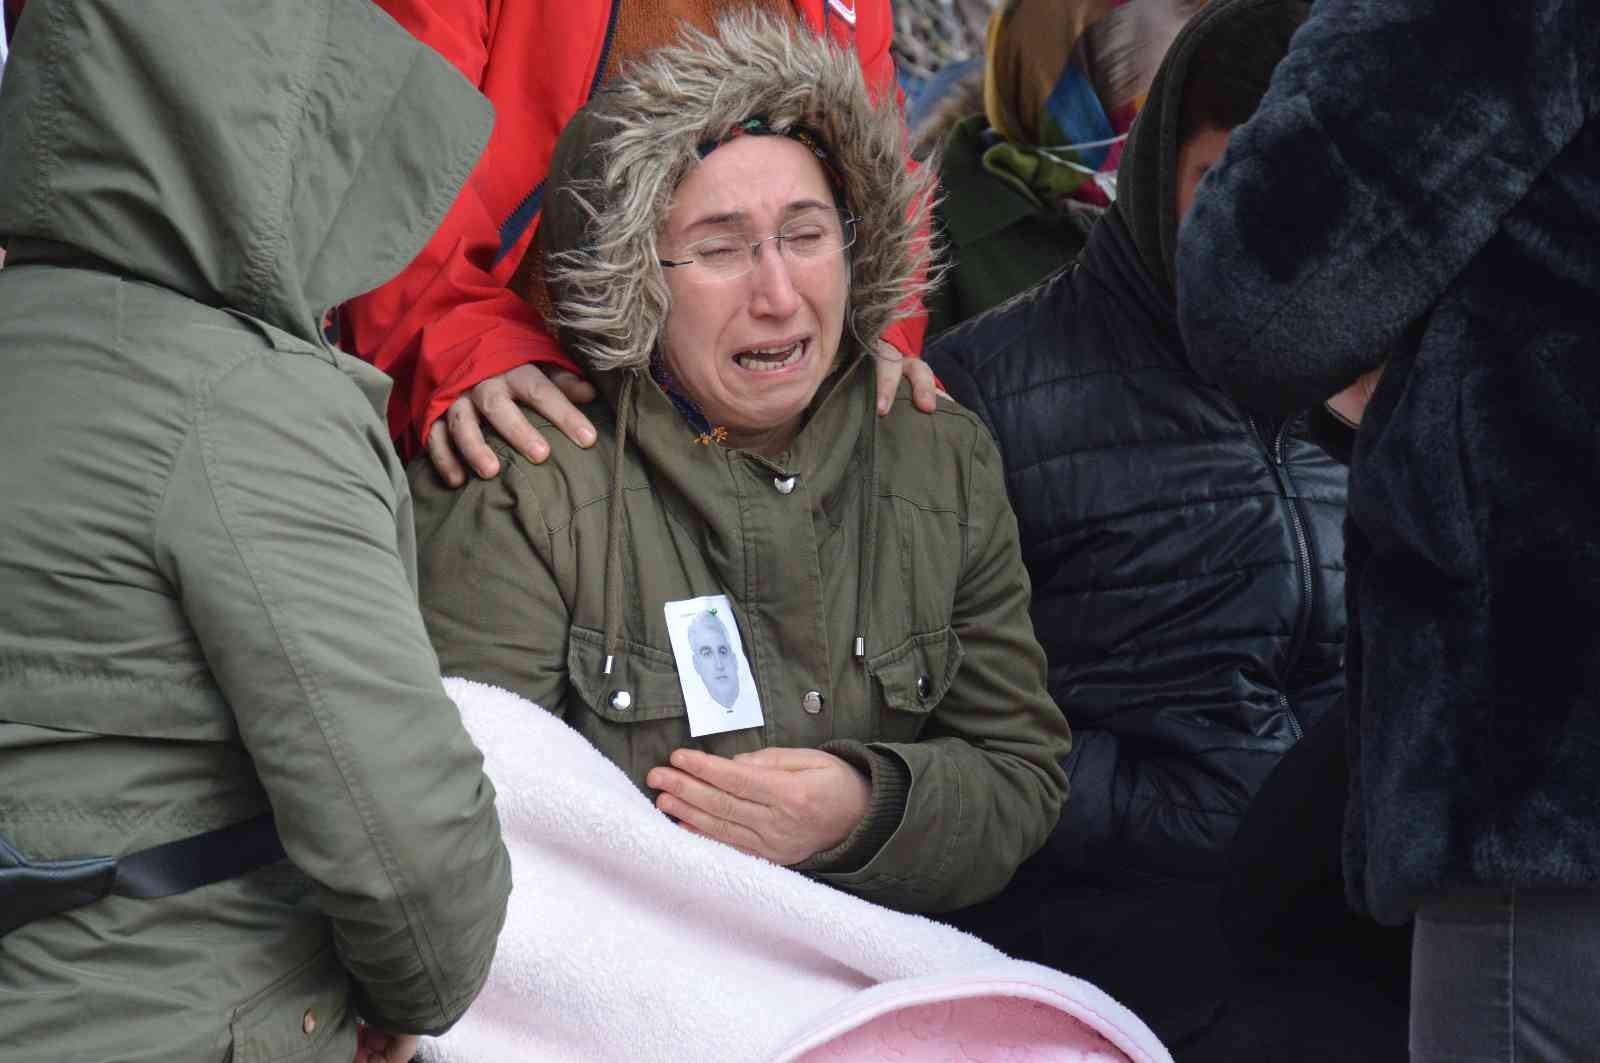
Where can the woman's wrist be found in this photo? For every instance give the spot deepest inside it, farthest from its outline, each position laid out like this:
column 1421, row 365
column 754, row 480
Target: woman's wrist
column 889, row 784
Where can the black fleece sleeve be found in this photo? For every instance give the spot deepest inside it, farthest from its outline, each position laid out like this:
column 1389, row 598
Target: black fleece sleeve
column 1393, row 141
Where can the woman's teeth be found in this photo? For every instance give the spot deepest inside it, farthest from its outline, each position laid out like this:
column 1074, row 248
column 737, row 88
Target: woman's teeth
column 769, row 359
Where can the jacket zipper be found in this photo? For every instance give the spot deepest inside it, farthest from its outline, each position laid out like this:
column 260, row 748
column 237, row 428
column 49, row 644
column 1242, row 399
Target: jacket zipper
column 1302, row 558
column 510, row 230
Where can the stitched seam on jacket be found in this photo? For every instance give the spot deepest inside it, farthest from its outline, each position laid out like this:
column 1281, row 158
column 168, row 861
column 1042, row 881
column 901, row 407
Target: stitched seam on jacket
column 313, row 696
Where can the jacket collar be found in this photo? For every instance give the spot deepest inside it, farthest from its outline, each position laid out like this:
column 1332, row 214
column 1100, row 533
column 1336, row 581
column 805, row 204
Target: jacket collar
column 834, row 453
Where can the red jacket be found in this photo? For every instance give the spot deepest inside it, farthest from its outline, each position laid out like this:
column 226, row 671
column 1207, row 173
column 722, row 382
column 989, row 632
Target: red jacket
column 448, row 321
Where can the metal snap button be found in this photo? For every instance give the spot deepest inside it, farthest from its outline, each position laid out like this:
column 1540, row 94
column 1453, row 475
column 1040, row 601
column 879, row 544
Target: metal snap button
column 924, row 686
column 621, row 700
column 308, row 1022
column 784, row 484
column 812, row 702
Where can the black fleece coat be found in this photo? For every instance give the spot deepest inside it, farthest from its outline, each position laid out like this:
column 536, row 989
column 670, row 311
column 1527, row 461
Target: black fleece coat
column 1186, row 556
column 1422, row 186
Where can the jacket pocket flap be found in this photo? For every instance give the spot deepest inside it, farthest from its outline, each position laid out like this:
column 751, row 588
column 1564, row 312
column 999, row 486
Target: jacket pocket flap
column 643, row 684
column 295, row 1017
column 917, row 673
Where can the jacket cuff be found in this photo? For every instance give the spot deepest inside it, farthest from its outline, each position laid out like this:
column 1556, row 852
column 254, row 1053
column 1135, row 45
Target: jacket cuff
column 891, row 785
column 1328, row 431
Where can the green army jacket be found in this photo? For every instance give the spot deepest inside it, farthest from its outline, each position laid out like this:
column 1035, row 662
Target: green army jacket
column 897, row 531
column 207, row 577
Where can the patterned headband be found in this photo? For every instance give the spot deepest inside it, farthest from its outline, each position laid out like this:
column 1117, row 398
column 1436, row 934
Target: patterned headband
column 758, row 126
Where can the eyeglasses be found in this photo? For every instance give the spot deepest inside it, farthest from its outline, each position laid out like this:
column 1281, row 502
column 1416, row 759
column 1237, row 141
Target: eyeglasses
column 814, row 234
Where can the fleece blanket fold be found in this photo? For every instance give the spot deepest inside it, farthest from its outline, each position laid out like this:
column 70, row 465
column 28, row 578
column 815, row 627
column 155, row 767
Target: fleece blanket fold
column 631, row 939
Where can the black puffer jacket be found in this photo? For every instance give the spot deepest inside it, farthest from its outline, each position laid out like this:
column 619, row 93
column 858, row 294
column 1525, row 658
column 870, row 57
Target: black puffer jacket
column 1186, row 559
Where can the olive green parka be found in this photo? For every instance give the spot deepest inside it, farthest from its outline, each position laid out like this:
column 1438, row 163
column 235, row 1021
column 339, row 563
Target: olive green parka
column 873, row 568
column 207, row 603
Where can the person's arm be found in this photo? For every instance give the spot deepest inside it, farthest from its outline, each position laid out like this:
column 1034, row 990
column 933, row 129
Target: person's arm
column 279, row 535
column 872, row 37
column 1150, row 803
column 454, row 337
column 1394, row 139
column 985, row 782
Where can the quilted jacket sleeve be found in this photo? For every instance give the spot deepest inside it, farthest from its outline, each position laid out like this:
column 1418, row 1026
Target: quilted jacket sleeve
column 1393, row 141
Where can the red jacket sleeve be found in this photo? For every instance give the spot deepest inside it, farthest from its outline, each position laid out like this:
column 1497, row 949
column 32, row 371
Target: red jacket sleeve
column 872, row 32
column 448, row 321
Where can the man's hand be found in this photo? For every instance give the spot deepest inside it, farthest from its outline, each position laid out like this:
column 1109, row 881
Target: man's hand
column 780, row 804
column 891, row 366
column 496, row 399
column 379, row 1046
column 1351, row 403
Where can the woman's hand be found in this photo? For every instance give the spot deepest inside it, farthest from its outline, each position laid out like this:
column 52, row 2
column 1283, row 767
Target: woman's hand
column 780, row 804
column 496, row 400
column 891, row 366
column 379, row 1046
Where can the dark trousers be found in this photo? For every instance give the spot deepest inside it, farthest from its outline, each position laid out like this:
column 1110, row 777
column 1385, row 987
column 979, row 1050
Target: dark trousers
column 1507, row 976
column 1157, row 949
column 1265, row 965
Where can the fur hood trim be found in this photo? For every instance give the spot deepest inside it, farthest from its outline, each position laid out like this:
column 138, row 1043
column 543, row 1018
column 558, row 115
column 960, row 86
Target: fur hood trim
column 620, row 160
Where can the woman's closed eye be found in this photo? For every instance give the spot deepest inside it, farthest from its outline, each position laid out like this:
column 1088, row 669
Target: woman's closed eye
column 721, row 249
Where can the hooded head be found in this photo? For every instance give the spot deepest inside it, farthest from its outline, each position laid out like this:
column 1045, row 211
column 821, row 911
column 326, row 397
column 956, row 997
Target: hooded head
column 1212, row 79
column 595, row 267
column 1040, row 52
column 1071, row 74
column 275, row 159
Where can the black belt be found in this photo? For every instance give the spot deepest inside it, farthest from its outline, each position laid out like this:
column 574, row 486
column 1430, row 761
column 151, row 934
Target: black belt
column 31, row 890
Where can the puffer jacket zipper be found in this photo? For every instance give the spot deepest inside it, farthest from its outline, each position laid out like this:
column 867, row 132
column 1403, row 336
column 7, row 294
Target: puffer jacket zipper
column 1302, row 546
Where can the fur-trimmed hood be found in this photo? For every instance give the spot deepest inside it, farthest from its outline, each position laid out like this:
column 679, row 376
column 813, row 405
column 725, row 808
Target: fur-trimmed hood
column 594, row 268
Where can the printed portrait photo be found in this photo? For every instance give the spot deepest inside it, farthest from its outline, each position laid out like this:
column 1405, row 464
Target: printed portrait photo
column 713, row 672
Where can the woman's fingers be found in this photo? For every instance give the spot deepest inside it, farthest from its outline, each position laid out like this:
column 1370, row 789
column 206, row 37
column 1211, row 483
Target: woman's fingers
column 443, row 456
column 924, row 385
column 704, row 795
column 573, row 386
column 551, row 400
column 890, row 366
column 467, row 437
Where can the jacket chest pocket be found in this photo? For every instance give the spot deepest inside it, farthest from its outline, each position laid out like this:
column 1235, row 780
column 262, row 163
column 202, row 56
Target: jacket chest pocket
column 911, row 679
column 635, row 716
column 919, row 565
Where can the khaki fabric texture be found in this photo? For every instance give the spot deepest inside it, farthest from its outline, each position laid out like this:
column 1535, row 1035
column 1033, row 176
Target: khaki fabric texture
column 207, row 590
column 952, row 684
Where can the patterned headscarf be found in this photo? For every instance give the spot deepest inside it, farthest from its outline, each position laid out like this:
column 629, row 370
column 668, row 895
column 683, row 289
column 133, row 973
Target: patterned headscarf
column 1063, row 83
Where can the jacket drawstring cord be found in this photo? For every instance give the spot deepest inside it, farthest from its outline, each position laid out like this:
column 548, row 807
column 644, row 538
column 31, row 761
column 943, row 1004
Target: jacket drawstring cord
column 869, row 519
column 614, row 528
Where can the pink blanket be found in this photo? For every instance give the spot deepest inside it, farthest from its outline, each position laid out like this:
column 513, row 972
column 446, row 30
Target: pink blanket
column 631, row 939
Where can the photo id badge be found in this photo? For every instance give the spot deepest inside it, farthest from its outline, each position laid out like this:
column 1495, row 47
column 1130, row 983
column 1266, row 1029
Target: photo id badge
column 718, row 687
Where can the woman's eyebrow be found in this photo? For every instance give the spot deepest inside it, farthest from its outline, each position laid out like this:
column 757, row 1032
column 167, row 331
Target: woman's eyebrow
column 731, row 217
column 806, row 204
column 736, row 217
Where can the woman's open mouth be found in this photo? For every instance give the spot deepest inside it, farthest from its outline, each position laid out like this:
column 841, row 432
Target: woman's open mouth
column 772, row 359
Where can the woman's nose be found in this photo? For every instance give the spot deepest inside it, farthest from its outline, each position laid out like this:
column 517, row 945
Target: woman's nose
column 774, row 294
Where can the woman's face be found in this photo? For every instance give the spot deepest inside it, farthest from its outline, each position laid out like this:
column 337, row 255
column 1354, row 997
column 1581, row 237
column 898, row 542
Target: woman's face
column 752, row 350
